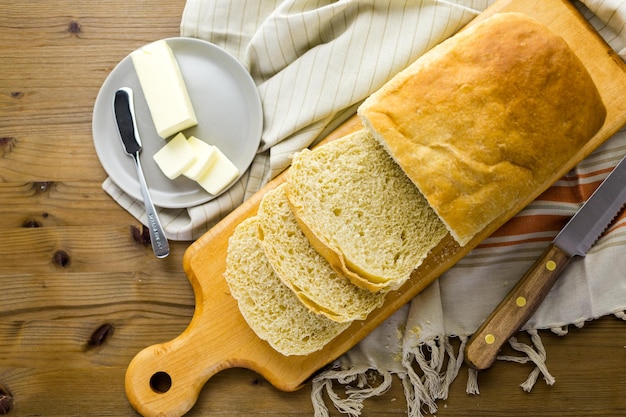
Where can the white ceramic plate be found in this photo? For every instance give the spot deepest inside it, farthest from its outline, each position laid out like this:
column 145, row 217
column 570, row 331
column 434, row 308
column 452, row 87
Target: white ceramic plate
column 227, row 106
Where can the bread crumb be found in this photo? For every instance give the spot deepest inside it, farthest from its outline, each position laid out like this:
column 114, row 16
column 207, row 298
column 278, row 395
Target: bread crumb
column 416, row 331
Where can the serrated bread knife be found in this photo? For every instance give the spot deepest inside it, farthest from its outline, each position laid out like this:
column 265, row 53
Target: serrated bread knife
column 125, row 116
column 575, row 239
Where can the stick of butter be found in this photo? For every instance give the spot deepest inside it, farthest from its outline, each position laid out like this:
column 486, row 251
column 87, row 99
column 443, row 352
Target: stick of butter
column 206, row 155
column 164, row 88
column 221, row 173
column 175, row 157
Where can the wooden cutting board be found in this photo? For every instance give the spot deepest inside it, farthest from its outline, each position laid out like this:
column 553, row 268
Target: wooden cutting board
column 165, row 379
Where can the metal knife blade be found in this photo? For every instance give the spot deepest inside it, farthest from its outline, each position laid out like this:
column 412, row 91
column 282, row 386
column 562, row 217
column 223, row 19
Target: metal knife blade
column 581, row 232
column 575, row 239
column 125, row 117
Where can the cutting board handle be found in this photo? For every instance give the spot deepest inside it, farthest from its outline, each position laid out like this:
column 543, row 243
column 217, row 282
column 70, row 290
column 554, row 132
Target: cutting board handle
column 165, row 379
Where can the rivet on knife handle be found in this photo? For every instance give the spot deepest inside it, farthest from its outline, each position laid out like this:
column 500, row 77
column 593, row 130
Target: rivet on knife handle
column 516, row 308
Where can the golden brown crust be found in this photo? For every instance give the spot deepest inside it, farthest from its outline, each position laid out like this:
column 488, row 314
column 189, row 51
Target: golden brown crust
column 485, row 118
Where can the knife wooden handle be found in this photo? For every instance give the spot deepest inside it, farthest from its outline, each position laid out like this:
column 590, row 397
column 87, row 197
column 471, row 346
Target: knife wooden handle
column 516, row 308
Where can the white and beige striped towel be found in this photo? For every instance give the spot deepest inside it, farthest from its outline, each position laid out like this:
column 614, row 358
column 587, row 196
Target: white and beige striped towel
column 314, row 61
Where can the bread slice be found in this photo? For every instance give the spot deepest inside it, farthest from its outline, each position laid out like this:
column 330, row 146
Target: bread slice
column 270, row 308
column 304, row 270
column 486, row 118
column 361, row 212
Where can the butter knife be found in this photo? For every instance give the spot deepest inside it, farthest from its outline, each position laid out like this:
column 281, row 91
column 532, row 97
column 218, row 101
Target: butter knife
column 575, row 239
column 125, row 116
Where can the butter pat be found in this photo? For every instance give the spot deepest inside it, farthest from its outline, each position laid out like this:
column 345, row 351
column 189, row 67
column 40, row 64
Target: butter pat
column 206, row 155
column 221, row 173
column 164, row 88
column 175, row 157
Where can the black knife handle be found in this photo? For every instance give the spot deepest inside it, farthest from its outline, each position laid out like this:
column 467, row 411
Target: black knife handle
column 516, row 308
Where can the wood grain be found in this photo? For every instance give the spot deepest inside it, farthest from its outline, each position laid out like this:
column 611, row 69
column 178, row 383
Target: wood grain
column 54, row 55
column 233, row 344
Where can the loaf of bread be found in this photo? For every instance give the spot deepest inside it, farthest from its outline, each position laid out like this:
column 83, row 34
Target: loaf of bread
column 470, row 130
column 304, row 270
column 271, row 309
column 486, row 118
column 361, row 212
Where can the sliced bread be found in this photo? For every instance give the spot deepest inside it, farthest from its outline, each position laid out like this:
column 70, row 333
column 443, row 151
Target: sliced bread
column 304, row 270
column 271, row 309
column 361, row 212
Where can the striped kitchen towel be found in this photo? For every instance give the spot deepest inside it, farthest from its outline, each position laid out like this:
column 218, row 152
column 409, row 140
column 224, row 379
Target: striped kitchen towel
column 313, row 63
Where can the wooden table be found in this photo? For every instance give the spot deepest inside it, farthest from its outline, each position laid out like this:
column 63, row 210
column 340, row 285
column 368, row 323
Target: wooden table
column 82, row 293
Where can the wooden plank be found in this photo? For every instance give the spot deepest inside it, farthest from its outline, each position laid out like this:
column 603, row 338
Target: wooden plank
column 64, row 295
column 62, row 204
column 83, row 249
column 51, row 386
column 231, row 341
column 53, row 72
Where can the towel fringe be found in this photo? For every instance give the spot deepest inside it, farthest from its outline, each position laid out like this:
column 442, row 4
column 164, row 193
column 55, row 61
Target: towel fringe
column 414, row 393
column 535, row 354
column 620, row 315
column 454, row 365
column 560, row 331
column 349, row 406
column 472, row 382
column 352, row 403
column 419, row 387
column 437, row 367
column 430, row 369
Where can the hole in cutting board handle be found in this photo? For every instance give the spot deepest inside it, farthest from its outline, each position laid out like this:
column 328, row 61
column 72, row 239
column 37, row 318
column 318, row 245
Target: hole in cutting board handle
column 161, row 382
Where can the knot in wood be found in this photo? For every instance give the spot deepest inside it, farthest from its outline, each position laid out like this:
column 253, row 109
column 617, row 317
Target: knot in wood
column 141, row 236
column 74, row 27
column 100, row 335
column 6, row 144
column 31, row 223
column 6, row 400
column 42, row 186
column 61, row 258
